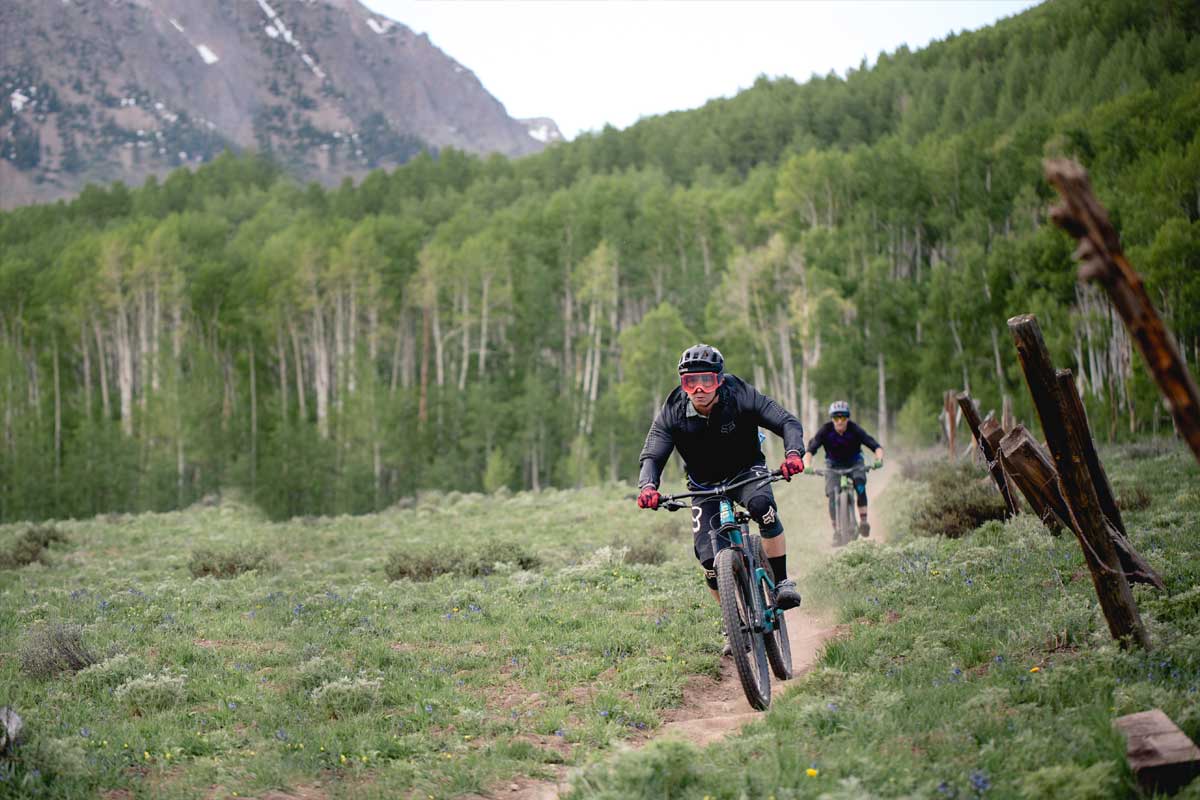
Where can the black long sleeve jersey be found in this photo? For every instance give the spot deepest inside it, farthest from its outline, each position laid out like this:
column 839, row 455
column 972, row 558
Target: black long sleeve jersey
column 842, row 449
column 721, row 445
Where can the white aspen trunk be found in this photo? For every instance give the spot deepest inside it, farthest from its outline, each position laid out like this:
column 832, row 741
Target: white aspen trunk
column 352, row 350
column 466, row 339
column 321, row 369
column 301, row 402
column 439, row 356
column 483, row 326
column 373, row 333
column 395, row 379
column 787, row 365
column 102, row 362
column 124, row 368
column 154, row 336
column 958, row 347
column 253, row 425
column 337, row 382
column 594, row 383
column 881, row 419
column 807, row 420
column 281, row 357
column 1000, row 382
column 142, row 367
column 177, row 331
column 408, row 364
column 230, row 395
column 706, row 256
column 86, row 354
column 57, row 417
column 35, row 394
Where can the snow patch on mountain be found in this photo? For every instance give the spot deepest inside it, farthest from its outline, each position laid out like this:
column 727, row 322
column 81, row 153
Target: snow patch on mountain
column 208, row 55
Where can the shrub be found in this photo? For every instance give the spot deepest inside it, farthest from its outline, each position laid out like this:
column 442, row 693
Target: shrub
column 317, row 671
column 427, row 564
column 643, row 551
column 229, row 563
column 961, row 498
column 151, row 692
column 110, row 672
column 30, row 546
column 54, row 647
column 347, row 695
column 1133, row 498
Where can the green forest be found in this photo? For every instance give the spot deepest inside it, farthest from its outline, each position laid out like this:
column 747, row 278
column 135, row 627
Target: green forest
column 466, row 323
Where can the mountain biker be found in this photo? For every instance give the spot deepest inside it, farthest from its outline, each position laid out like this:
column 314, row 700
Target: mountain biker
column 712, row 419
column 843, row 441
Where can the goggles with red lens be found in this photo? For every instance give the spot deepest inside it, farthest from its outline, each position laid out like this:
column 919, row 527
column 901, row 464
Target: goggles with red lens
column 691, row 381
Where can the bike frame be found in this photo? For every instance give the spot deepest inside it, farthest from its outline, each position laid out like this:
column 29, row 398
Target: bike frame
column 736, row 524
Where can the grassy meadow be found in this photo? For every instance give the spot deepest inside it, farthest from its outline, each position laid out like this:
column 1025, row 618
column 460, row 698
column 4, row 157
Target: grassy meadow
column 234, row 655
column 225, row 655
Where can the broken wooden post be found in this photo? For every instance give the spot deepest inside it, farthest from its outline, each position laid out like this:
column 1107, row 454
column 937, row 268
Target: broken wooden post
column 1006, row 413
column 1101, row 259
column 989, row 455
column 1087, row 520
column 1032, row 470
column 1073, row 405
column 1162, row 757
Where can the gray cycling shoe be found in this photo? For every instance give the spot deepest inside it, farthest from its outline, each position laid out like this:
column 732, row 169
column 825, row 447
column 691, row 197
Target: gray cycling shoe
column 864, row 529
column 728, row 649
column 786, row 595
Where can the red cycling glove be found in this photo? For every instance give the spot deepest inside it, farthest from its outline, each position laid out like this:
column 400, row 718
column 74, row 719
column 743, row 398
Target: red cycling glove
column 649, row 497
column 792, row 465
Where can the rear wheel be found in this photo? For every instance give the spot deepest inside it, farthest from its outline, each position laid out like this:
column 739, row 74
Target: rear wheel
column 776, row 643
column 738, row 612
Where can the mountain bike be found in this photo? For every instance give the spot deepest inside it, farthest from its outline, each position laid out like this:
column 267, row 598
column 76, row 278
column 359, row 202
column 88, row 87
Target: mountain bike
column 845, row 527
column 756, row 629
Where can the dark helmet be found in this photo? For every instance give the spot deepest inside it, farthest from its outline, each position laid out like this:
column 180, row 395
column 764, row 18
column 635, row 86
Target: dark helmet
column 702, row 358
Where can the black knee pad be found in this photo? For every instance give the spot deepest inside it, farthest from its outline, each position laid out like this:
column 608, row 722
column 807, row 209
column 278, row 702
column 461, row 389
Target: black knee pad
column 710, row 574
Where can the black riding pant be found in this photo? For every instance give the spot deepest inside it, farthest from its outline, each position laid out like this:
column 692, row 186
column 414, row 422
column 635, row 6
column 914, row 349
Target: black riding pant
column 858, row 476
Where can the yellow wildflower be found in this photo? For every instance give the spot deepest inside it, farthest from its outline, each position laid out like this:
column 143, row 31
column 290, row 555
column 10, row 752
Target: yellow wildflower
column 810, row 772
column 1035, row 669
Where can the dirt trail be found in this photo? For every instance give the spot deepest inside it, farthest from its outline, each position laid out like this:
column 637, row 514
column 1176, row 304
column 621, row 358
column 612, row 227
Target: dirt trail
column 713, row 709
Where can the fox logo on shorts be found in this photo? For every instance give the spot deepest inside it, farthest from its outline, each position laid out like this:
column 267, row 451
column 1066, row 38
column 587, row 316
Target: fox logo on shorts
column 769, row 517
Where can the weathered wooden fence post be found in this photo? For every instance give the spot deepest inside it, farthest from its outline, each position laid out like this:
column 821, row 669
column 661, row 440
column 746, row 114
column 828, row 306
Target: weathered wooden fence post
column 1101, row 259
column 1087, row 519
column 990, row 456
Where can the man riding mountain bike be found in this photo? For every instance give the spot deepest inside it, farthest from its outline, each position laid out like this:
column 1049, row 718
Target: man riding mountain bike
column 712, row 418
column 843, row 441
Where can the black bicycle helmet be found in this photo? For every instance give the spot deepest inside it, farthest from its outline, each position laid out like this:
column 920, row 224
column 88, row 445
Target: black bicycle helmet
column 702, row 358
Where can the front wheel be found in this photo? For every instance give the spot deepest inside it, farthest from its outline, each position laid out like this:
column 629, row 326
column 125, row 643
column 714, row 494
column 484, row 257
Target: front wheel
column 777, row 644
column 740, row 614
column 845, row 517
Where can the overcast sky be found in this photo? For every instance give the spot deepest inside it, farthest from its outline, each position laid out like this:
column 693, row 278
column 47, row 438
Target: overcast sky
column 587, row 63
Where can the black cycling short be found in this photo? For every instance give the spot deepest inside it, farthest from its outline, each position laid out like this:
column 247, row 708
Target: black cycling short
column 759, row 500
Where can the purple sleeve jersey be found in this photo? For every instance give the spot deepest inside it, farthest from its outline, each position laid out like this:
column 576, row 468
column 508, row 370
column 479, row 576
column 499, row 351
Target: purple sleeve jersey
column 842, row 449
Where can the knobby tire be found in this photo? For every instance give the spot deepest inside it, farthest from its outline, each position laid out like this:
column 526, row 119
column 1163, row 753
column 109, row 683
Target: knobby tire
column 846, row 528
column 749, row 651
column 778, row 647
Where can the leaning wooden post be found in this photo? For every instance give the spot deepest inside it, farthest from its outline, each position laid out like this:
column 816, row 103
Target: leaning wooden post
column 1101, row 259
column 1088, row 521
column 1073, row 404
column 990, row 457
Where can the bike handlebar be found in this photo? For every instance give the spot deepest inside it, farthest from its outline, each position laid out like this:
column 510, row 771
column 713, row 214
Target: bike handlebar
column 671, row 501
column 838, row 470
